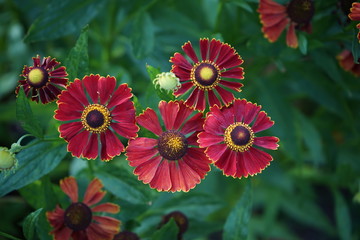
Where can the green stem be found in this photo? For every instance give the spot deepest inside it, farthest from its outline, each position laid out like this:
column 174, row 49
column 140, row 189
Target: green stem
column 9, row 236
column 91, row 167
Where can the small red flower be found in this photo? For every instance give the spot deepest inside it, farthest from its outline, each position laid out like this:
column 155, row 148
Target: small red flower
column 346, row 61
column 43, row 79
column 275, row 18
column 229, row 138
column 208, row 79
column 172, row 161
column 354, row 15
column 78, row 221
column 95, row 113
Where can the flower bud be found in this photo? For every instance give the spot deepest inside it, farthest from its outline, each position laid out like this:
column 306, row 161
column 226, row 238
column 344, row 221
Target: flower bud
column 167, row 81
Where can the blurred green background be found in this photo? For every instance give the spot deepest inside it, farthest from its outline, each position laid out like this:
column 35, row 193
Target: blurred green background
column 312, row 188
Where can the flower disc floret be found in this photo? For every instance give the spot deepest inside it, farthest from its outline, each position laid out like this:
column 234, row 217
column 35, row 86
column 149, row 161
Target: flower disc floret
column 172, row 145
column 239, row 137
column 38, row 77
column 205, row 75
column 77, row 216
column 301, row 11
column 96, row 118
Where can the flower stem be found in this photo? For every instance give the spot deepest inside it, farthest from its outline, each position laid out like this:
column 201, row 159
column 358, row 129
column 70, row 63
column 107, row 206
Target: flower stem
column 9, row 236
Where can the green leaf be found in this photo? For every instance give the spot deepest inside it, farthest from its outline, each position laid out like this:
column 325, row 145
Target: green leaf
column 123, row 184
column 77, row 62
column 26, row 117
column 143, row 36
column 303, row 44
column 30, row 224
column 343, row 220
column 163, row 94
column 168, row 231
column 34, row 162
column 237, row 223
column 61, row 18
column 355, row 47
column 243, row 4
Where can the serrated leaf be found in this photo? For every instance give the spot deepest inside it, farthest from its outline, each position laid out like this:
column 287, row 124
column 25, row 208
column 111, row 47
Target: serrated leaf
column 237, row 223
column 33, row 163
column 30, row 223
column 168, row 231
column 343, row 219
column 143, row 35
column 61, row 18
column 25, row 115
column 77, row 62
column 124, row 185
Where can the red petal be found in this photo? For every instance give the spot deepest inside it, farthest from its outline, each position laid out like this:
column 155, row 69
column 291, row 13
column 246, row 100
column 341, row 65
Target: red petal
column 149, row 120
column 178, row 182
column 181, row 61
column 108, row 224
column 228, row 163
column 214, row 152
column 189, row 50
column 291, row 39
column 56, row 217
column 141, row 150
column 76, row 90
column 106, row 207
column 110, row 145
column 67, row 98
column 168, row 113
column 233, row 60
column 269, row 20
column 214, row 126
column 69, row 187
column 127, row 130
column 183, row 89
column 226, row 96
column 196, row 159
column 262, row 122
column 91, row 86
column 93, row 193
column 121, row 95
column 146, row 170
column 193, row 99
column 251, row 111
column 226, row 51
column 256, row 160
column 204, row 48
column 182, row 115
column 66, row 112
column 191, row 177
column 161, row 180
column 241, row 170
column 207, row 139
column 78, row 143
column 237, row 73
column 69, row 130
column 272, row 33
column 95, row 232
column 62, row 233
column 215, row 46
column 201, row 101
column 124, row 112
column 213, row 100
column 36, row 61
column 193, row 124
column 224, row 116
column 91, row 151
column 267, row 142
column 182, row 74
column 236, row 86
column 106, row 87
column 239, row 109
column 270, row 7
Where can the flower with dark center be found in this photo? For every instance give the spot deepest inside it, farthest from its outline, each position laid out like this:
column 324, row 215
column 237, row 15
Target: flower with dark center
column 172, row 161
column 44, row 80
column 346, row 61
column 230, row 140
column 208, row 80
column 93, row 123
column 275, row 18
column 354, row 15
column 126, row 235
column 180, row 219
column 79, row 220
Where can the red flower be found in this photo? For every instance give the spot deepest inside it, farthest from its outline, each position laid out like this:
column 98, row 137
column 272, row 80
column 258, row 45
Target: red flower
column 78, row 221
column 172, row 161
column 229, row 139
column 94, row 113
column 346, row 61
column 43, row 79
column 208, row 77
column 275, row 18
column 354, row 15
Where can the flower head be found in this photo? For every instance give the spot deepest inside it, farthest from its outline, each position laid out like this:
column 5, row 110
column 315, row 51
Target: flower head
column 126, row 235
column 276, row 17
column 346, row 61
column 43, row 80
column 167, row 81
column 172, row 161
column 8, row 160
column 230, row 140
column 79, row 220
column 180, row 219
column 95, row 112
column 207, row 79
column 354, row 15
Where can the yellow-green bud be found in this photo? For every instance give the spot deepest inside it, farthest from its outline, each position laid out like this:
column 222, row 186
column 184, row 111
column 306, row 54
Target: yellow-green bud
column 167, row 81
column 7, row 159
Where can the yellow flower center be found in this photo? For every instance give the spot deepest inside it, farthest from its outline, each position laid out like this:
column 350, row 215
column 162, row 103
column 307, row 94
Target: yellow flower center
column 205, row 75
column 96, row 118
column 78, row 216
column 37, row 77
column 239, row 137
column 172, row 145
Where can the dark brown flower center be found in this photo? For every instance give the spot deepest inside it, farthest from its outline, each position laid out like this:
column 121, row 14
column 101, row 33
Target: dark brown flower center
column 126, row 235
column 96, row 118
column 172, row 145
column 78, row 216
column 239, row 137
column 37, row 77
column 205, row 75
column 301, row 11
